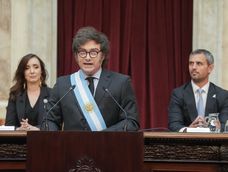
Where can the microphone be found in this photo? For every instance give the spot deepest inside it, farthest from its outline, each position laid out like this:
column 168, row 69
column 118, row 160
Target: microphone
column 69, row 90
column 45, row 108
column 122, row 109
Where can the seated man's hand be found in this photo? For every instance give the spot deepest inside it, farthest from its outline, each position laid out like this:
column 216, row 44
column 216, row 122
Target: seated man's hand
column 198, row 122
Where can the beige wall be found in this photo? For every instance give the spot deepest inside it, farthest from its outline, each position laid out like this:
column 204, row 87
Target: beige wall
column 26, row 26
column 210, row 32
column 224, row 66
column 5, row 47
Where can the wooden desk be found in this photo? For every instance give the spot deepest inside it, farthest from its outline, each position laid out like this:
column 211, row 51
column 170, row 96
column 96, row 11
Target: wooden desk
column 163, row 151
column 199, row 152
column 12, row 151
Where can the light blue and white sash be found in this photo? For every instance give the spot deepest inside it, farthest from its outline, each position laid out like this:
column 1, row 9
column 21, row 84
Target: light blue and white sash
column 87, row 103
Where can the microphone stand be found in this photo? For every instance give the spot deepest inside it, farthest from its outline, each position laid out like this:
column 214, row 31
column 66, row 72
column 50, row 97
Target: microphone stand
column 125, row 113
column 46, row 127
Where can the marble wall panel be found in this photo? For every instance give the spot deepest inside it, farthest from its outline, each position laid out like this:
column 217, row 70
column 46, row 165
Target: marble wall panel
column 26, row 26
column 5, row 46
column 207, row 32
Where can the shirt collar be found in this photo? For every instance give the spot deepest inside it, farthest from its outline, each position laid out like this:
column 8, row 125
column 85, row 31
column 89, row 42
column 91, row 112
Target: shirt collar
column 96, row 75
column 196, row 87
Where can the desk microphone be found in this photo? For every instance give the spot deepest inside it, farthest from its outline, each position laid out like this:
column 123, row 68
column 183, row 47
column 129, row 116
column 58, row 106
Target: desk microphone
column 45, row 108
column 69, row 90
column 125, row 113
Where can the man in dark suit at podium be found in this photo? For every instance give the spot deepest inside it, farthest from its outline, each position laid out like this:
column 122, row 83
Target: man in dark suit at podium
column 193, row 101
column 92, row 98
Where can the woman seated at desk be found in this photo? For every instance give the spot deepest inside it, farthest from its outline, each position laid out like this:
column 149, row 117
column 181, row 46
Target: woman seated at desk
column 25, row 108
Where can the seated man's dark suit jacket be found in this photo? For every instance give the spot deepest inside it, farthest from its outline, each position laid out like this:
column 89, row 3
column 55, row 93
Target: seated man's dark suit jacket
column 15, row 110
column 67, row 114
column 182, row 107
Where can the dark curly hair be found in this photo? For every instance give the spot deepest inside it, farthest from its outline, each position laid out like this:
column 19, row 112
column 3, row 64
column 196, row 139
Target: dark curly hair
column 86, row 34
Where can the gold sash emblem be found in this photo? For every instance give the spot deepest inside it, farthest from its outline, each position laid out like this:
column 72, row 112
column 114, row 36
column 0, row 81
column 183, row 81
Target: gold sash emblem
column 89, row 107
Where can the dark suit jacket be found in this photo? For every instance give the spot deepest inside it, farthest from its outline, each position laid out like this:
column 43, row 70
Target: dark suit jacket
column 182, row 108
column 68, row 112
column 16, row 109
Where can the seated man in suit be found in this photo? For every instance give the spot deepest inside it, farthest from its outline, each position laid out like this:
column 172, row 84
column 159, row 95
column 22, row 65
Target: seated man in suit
column 193, row 101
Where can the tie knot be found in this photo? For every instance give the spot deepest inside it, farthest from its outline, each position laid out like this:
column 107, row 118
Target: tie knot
column 90, row 79
column 200, row 91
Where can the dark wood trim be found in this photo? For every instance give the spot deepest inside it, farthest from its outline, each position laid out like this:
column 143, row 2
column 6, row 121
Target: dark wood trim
column 185, row 152
column 11, row 165
column 154, row 145
column 180, row 167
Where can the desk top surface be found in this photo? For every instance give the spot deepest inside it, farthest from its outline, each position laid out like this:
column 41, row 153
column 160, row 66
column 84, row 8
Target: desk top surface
column 168, row 135
column 13, row 134
column 176, row 135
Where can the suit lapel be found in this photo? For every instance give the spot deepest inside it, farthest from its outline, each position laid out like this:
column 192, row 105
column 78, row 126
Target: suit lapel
column 104, row 82
column 190, row 102
column 21, row 105
column 211, row 105
column 43, row 95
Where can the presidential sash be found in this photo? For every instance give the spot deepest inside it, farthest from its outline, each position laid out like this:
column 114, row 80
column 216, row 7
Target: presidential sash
column 87, row 103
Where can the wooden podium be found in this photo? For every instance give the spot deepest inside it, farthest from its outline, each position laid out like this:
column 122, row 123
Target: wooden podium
column 84, row 151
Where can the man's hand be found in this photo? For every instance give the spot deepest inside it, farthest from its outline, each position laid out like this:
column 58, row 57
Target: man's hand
column 198, row 122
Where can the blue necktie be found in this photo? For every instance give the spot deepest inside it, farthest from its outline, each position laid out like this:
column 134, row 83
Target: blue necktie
column 200, row 105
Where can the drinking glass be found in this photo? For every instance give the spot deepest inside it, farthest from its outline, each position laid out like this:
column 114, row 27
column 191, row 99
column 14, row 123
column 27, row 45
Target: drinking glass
column 212, row 121
column 226, row 127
